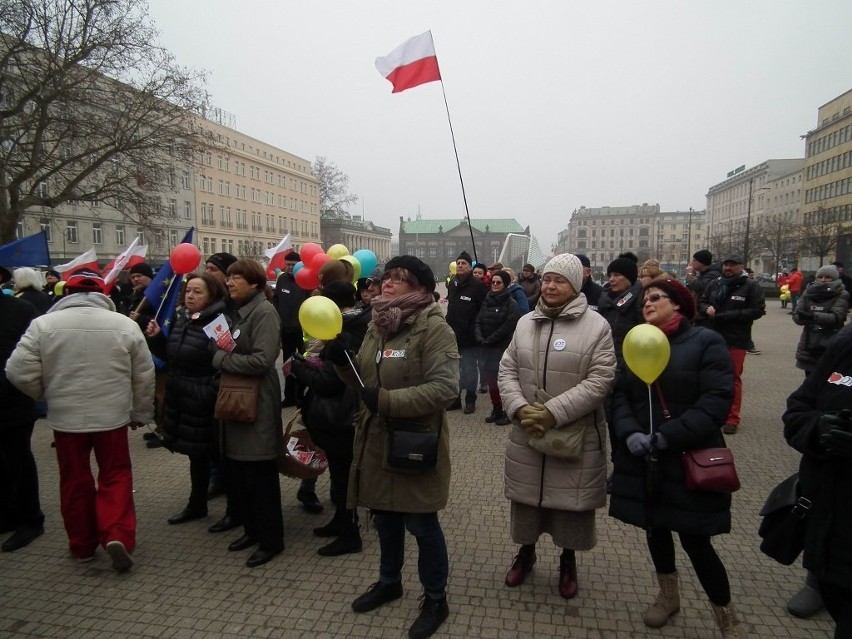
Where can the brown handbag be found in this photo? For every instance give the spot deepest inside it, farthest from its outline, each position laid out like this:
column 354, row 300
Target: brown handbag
column 237, row 398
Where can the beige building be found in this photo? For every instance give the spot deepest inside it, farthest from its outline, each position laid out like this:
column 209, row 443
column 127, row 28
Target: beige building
column 356, row 234
column 828, row 171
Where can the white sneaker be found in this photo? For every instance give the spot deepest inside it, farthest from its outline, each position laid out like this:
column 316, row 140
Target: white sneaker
column 121, row 560
column 85, row 560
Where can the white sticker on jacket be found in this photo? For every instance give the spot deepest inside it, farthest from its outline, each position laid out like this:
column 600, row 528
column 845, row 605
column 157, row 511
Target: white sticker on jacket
column 559, row 345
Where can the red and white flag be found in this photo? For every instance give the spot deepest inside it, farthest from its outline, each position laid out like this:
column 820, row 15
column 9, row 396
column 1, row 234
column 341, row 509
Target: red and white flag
column 88, row 260
column 133, row 255
column 276, row 257
column 411, row 64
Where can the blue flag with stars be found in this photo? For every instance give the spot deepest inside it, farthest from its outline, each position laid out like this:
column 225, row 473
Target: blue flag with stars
column 162, row 295
column 28, row 251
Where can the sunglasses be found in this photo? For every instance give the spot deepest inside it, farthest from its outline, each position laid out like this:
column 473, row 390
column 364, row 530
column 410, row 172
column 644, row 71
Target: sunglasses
column 655, row 297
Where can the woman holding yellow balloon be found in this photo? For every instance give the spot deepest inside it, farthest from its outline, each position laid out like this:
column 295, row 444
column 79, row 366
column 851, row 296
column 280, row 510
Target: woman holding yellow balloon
column 693, row 387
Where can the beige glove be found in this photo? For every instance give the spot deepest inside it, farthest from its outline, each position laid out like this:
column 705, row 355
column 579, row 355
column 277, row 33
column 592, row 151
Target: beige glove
column 538, row 421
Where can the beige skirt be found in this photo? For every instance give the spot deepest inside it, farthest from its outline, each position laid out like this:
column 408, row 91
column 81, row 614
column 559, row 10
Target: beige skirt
column 572, row 530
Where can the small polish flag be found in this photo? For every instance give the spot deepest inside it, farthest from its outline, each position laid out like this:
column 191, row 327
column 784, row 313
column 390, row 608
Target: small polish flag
column 88, row 260
column 411, row 64
column 133, row 255
column 276, row 256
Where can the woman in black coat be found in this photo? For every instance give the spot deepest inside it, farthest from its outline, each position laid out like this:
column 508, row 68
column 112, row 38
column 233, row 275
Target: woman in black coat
column 649, row 490
column 329, row 409
column 191, row 385
column 817, row 424
column 494, row 328
column 821, row 312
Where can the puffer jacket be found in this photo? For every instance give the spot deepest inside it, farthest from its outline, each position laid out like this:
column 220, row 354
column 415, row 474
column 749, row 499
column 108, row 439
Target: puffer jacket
column 256, row 331
column 191, row 383
column 623, row 312
column 825, row 479
column 576, row 366
column 464, row 299
column 821, row 311
column 698, row 388
column 738, row 302
column 495, row 325
column 90, row 364
column 417, row 370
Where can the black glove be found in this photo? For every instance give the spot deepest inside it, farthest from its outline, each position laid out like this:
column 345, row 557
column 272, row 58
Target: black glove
column 837, row 442
column 370, row 397
column 804, row 315
column 830, row 421
column 335, row 351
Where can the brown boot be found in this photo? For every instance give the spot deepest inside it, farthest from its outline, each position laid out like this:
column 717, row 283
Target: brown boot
column 728, row 623
column 568, row 586
column 521, row 565
column 667, row 603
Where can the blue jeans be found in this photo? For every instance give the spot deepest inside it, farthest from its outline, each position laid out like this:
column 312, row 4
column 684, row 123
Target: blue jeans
column 433, row 564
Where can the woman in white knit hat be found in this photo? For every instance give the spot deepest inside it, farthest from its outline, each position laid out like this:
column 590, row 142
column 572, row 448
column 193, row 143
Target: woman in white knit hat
column 558, row 369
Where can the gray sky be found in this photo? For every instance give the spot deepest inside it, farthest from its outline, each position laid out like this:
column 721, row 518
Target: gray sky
column 555, row 104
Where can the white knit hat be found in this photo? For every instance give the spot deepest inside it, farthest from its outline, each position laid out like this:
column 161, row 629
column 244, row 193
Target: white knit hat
column 569, row 267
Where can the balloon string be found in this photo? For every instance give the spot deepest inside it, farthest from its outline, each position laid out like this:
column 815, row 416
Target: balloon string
column 650, row 410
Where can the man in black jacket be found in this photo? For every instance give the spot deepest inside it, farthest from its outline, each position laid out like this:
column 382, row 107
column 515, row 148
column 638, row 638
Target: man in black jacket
column 729, row 305
column 465, row 295
column 288, row 298
column 701, row 271
column 590, row 288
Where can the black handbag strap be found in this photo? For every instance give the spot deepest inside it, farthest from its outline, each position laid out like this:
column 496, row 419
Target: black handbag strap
column 666, row 414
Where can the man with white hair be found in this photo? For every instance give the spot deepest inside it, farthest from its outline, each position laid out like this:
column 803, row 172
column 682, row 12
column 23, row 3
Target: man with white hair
column 81, row 358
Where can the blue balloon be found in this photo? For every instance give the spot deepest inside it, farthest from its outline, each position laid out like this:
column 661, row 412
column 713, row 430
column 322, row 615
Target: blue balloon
column 298, row 267
column 367, row 259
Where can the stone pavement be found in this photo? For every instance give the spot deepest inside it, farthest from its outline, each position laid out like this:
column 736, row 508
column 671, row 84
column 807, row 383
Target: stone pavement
column 186, row 585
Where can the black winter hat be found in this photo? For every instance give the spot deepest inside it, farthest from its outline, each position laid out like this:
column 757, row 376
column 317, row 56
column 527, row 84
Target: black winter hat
column 341, row 293
column 464, row 255
column 704, row 257
column 221, row 261
column 415, row 266
column 142, row 268
column 624, row 266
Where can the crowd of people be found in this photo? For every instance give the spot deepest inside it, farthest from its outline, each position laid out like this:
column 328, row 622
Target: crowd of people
column 547, row 347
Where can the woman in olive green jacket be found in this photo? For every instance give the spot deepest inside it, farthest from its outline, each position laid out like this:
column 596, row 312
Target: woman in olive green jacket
column 408, row 364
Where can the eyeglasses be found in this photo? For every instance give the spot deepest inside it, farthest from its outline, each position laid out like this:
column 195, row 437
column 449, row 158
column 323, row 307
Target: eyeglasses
column 234, row 277
column 655, row 297
column 395, row 278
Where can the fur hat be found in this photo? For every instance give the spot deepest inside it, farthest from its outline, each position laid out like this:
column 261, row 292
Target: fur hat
column 143, row 268
column 829, row 270
column 85, row 280
column 417, row 268
column 569, row 267
column 624, row 266
column 221, row 261
column 703, row 256
column 678, row 294
column 464, row 255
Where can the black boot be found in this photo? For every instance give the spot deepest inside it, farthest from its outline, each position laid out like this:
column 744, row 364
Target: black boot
column 334, row 527
column 349, row 541
column 502, row 419
column 495, row 413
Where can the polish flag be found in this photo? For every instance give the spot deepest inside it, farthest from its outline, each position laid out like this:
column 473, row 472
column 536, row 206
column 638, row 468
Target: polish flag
column 276, row 256
column 133, row 255
column 88, row 260
column 411, row 64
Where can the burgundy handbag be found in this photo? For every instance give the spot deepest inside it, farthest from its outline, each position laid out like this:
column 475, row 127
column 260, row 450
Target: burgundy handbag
column 710, row 470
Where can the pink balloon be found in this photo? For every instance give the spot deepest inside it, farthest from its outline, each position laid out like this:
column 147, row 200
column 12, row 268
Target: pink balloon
column 185, row 258
column 308, row 251
column 307, row 279
column 318, row 261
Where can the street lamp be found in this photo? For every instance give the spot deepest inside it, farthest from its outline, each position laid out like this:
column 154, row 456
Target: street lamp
column 746, row 256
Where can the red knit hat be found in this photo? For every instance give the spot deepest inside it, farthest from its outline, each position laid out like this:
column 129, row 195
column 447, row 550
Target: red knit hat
column 679, row 295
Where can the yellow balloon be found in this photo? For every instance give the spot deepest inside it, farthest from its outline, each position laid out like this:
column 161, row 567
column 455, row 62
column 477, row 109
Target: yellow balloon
column 356, row 266
column 336, row 251
column 453, row 268
column 646, row 351
column 320, row 318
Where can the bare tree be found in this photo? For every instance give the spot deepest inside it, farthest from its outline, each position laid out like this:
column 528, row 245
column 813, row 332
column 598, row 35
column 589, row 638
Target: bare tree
column 334, row 193
column 780, row 238
column 820, row 233
column 91, row 108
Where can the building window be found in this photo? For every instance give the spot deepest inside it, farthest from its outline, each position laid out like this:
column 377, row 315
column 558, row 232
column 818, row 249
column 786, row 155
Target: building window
column 187, row 210
column 97, row 233
column 173, row 238
column 140, row 233
column 119, row 235
column 71, row 232
column 44, row 225
column 206, row 243
column 19, row 230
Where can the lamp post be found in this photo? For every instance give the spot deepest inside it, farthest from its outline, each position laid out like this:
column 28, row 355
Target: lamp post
column 748, row 223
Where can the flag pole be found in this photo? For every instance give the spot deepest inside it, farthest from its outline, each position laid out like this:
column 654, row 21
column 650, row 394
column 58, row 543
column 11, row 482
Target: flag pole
column 458, row 164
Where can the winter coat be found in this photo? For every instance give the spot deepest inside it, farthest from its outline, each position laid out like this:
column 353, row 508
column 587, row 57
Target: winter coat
column 825, row 479
column 795, row 282
column 417, row 370
column 576, row 363
column 592, row 291
column 288, row 298
column 39, row 299
column 256, row 331
column 495, row 325
column 821, row 310
column 330, row 407
column 699, row 284
column 90, row 364
column 16, row 409
column 532, row 289
column 464, row 299
column 698, row 388
column 623, row 312
column 191, row 383
column 738, row 304
column 517, row 293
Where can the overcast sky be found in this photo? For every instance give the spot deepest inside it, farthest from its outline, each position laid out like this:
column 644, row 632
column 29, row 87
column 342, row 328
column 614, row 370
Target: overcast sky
column 555, row 105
